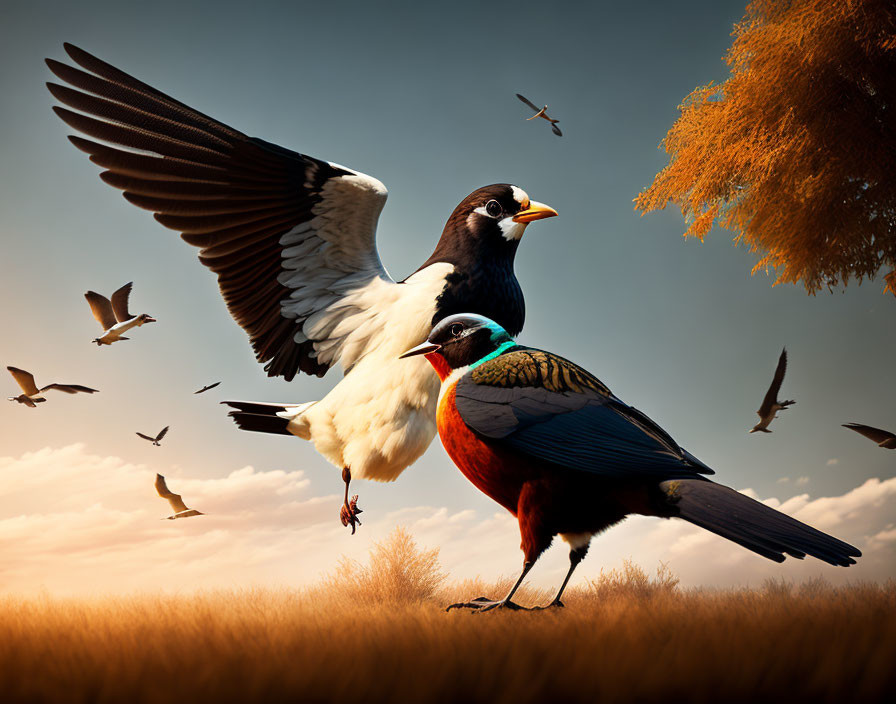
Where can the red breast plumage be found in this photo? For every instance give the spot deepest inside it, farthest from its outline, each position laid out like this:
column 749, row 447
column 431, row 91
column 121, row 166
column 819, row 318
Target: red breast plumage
column 487, row 467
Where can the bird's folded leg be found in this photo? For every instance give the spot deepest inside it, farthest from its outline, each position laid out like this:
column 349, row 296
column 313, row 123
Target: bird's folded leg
column 349, row 511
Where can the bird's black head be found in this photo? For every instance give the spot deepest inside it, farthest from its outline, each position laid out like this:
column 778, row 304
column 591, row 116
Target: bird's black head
column 461, row 341
column 496, row 214
column 480, row 241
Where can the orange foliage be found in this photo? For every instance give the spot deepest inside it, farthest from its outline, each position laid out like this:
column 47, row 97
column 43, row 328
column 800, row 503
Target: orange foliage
column 796, row 151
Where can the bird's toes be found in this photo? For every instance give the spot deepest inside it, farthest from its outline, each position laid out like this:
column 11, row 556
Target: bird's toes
column 348, row 514
column 482, row 604
column 472, row 604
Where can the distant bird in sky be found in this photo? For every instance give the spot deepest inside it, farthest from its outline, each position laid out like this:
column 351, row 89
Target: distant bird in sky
column 551, row 443
column 770, row 404
column 292, row 240
column 114, row 316
column 207, row 388
column 157, row 440
column 177, row 503
column 31, row 395
column 884, row 438
column 541, row 112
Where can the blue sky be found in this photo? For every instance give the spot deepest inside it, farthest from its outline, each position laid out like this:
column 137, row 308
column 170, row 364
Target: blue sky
column 422, row 98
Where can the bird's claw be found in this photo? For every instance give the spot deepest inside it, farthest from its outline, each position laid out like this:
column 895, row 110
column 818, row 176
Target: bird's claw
column 482, row 604
column 348, row 514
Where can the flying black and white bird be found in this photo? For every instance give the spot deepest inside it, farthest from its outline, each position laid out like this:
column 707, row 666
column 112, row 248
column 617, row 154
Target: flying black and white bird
column 542, row 113
column 884, row 438
column 114, row 316
column 207, row 388
column 770, row 404
column 292, row 241
column 31, row 395
column 177, row 503
column 157, row 440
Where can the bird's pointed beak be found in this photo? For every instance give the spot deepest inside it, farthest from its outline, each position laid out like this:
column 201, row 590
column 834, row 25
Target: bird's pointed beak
column 425, row 348
column 150, row 319
column 535, row 211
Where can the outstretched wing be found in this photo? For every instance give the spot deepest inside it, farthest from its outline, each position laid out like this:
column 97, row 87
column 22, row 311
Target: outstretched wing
column 876, row 434
column 69, row 388
column 162, row 433
column 207, row 388
column 290, row 237
column 101, row 309
column 25, row 380
column 543, row 406
column 771, row 396
column 556, row 130
column 177, row 503
column 151, row 439
column 120, row 302
column 528, row 102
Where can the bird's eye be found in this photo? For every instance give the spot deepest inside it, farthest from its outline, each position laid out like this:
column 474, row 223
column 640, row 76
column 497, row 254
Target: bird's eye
column 456, row 330
column 493, row 208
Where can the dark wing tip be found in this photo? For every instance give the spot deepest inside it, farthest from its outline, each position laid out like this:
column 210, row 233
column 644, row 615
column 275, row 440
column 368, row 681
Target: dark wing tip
column 76, row 53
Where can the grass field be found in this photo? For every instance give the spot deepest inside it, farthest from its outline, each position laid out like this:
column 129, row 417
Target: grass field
column 377, row 632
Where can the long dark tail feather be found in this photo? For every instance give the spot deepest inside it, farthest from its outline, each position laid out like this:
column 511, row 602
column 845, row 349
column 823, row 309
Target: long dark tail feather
column 753, row 525
column 259, row 417
column 263, row 409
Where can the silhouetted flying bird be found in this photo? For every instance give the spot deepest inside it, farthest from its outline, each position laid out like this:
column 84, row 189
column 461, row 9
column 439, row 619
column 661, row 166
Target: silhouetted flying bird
column 770, row 404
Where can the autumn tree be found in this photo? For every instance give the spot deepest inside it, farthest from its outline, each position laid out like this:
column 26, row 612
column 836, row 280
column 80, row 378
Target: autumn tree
column 796, row 151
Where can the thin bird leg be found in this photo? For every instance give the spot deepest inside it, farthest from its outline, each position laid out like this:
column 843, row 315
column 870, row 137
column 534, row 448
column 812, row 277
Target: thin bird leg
column 575, row 557
column 481, row 604
column 348, row 514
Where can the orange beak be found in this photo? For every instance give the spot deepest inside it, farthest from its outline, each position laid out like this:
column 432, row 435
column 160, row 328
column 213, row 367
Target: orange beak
column 535, row 211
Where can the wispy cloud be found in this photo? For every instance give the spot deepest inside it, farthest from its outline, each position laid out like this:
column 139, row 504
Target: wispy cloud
column 76, row 522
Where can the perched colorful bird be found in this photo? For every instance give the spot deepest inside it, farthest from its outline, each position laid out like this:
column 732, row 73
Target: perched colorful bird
column 770, row 404
column 884, row 438
column 292, row 240
column 157, row 440
column 31, row 395
column 208, row 387
column 114, row 316
column 542, row 113
column 176, row 502
column 549, row 442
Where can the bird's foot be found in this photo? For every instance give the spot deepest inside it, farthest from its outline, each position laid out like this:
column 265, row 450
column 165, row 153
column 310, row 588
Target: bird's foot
column 481, row 604
column 348, row 514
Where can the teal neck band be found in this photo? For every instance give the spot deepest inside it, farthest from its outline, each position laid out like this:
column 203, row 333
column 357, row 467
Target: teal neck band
column 491, row 355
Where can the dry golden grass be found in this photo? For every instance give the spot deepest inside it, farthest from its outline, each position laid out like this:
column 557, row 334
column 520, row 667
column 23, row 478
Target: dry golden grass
column 378, row 633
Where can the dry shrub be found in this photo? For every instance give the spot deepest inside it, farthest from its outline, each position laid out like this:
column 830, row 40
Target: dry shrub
column 776, row 588
column 632, row 582
column 397, row 571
